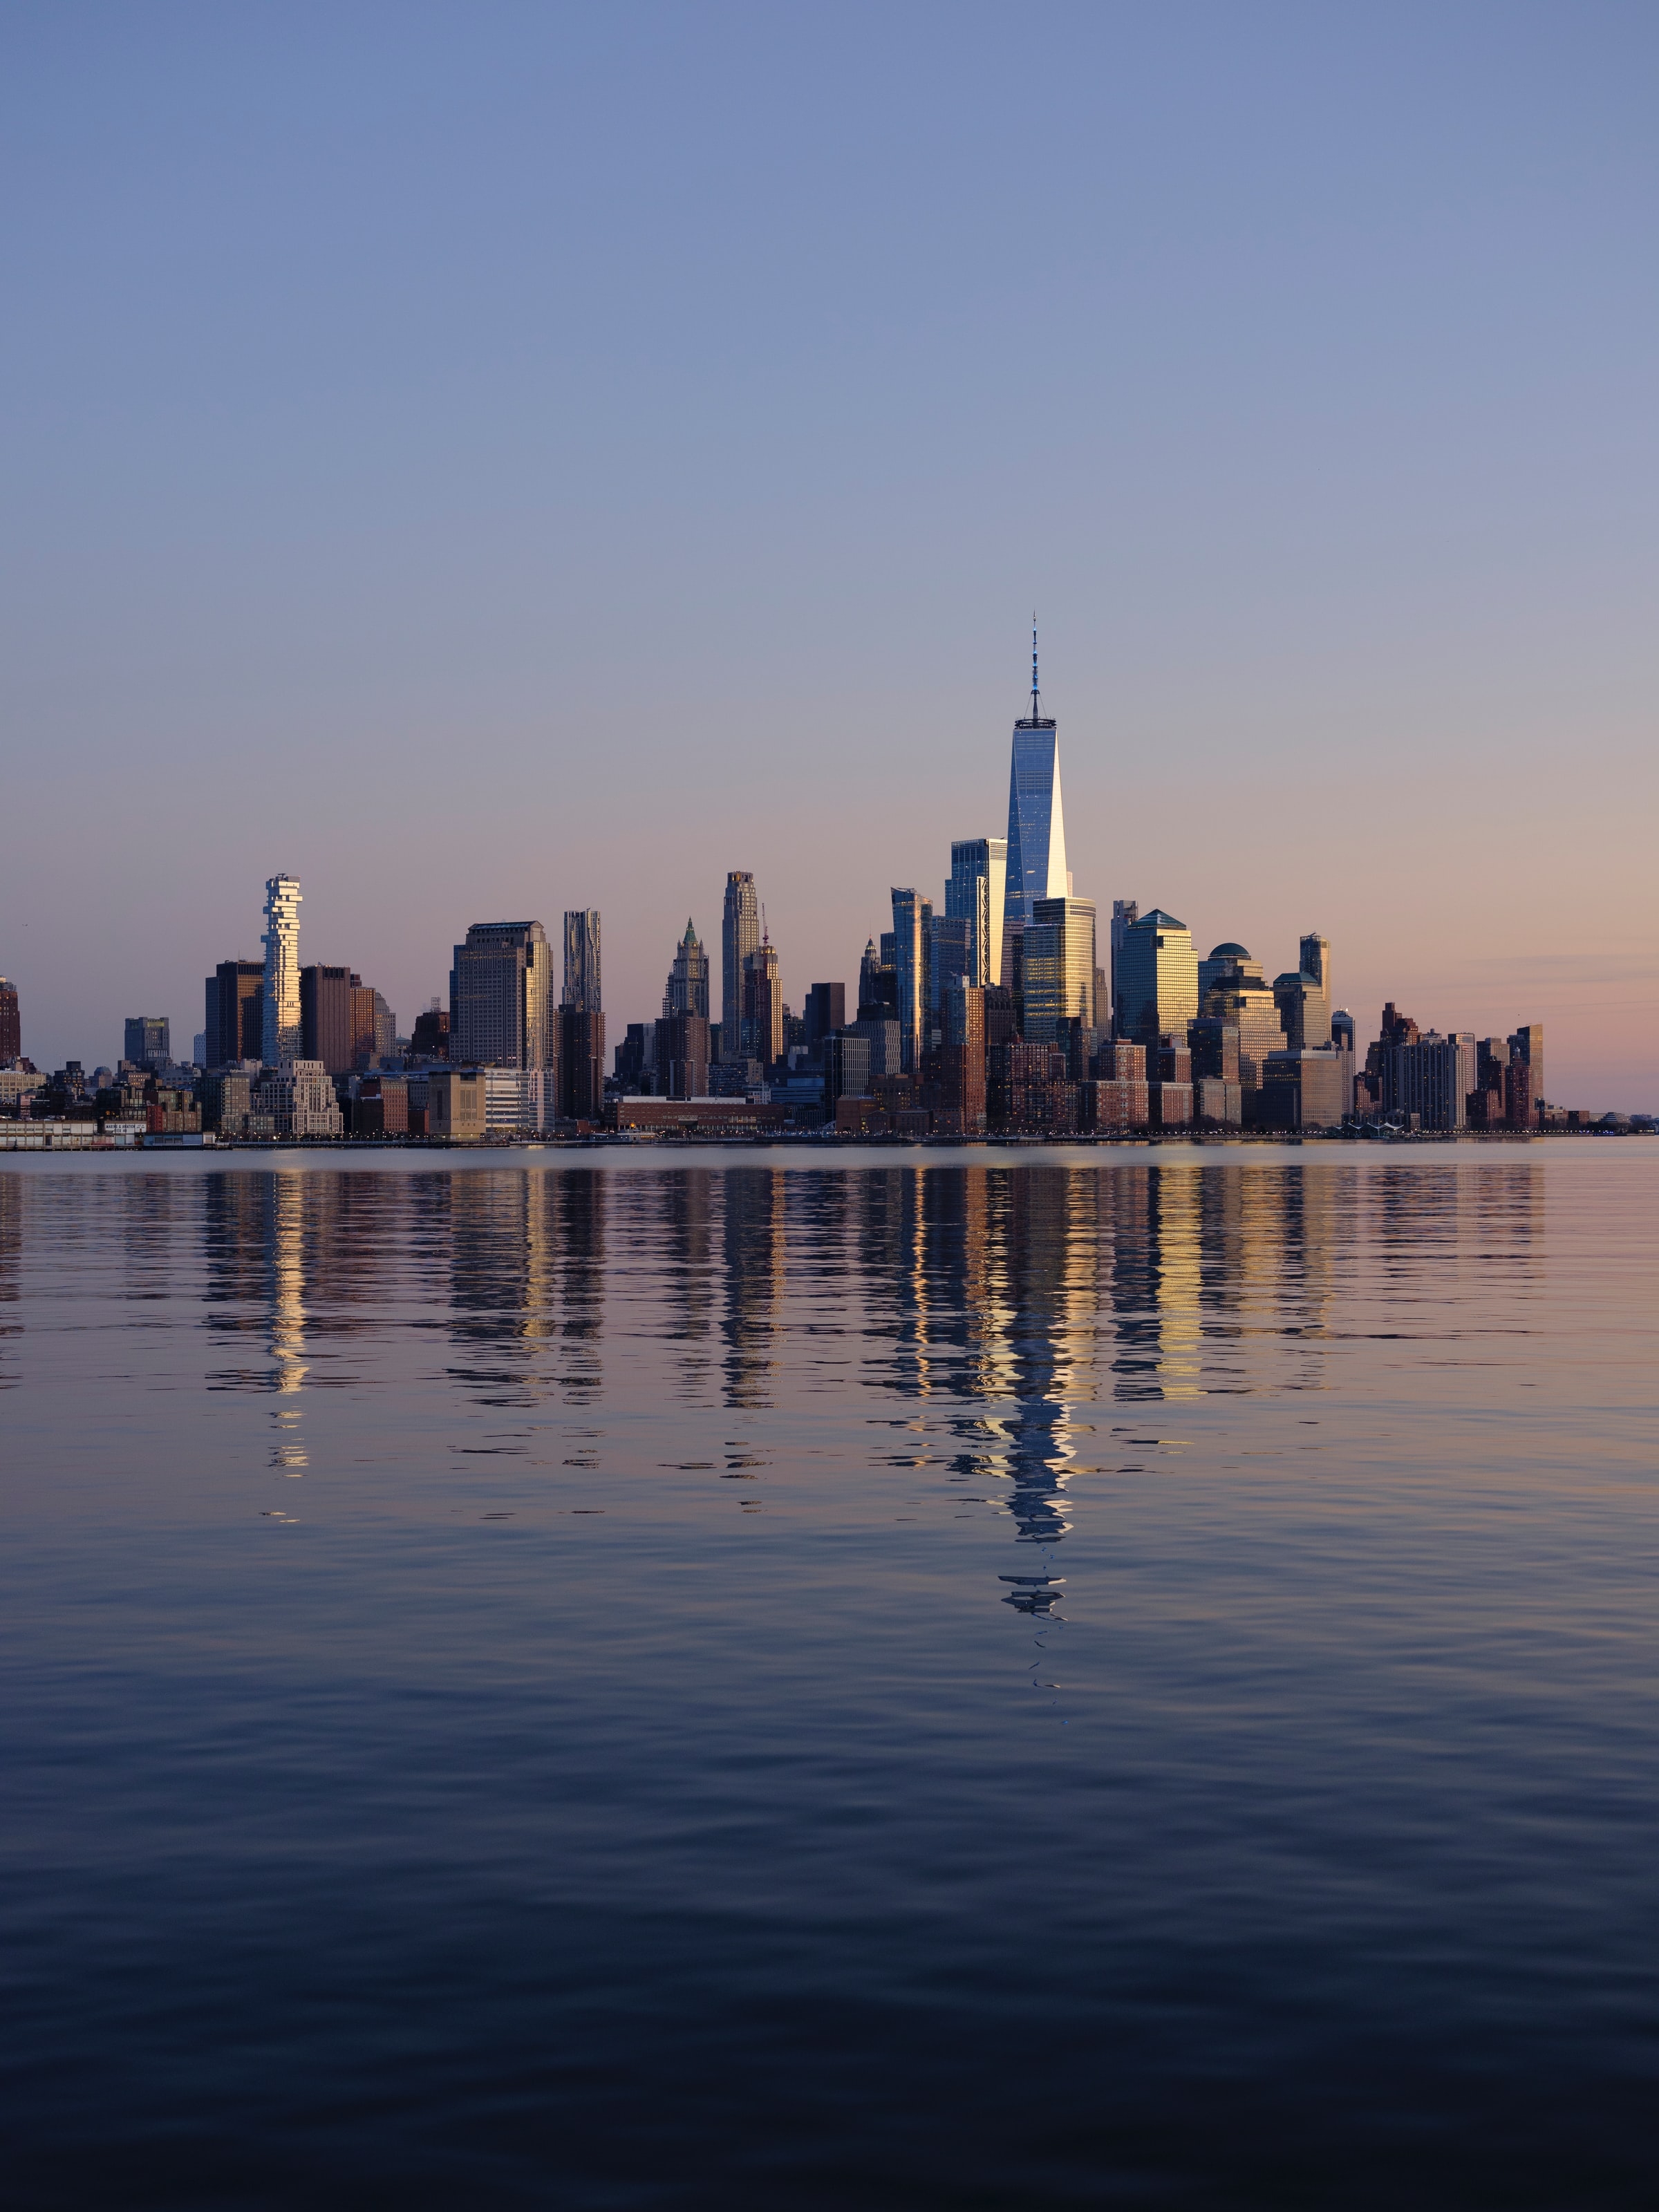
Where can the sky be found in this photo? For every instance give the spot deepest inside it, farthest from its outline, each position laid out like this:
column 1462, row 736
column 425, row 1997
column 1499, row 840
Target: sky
column 488, row 460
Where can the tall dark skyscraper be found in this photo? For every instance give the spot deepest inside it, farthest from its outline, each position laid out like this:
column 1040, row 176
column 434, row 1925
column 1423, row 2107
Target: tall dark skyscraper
column 501, row 997
column 908, row 951
column 326, row 1027
column 149, row 1038
column 739, row 934
column 1036, row 824
column 581, row 959
column 11, row 1026
column 235, row 1023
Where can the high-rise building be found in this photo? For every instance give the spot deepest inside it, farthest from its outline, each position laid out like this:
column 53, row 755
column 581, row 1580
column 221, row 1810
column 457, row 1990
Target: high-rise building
column 581, row 959
column 958, row 1088
column 826, row 1012
column 953, row 958
column 740, row 933
column 682, row 1050
column 501, row 997
column 868, row 966
column 1431, row 1078
column 907, row 965
column 149, row 1040
column 1303, row 997
column 763, row 1006
column 235, row 1025
column 1037, row 827
column 1526, row 1085
column 1156, row 978
column 974, row 893
column 687, row 989
column 1125, row 915
column 1059, row 954
column 281, row 1009
column 327, row 1031
column 11, row 1025
column 581, row 1089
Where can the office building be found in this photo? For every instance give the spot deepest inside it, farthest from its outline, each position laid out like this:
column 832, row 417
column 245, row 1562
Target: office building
column 281, row 1004
column 1059, row 968
column 975, row 894
column 581, row 960
column 580, row 1077
column 958, row 1087
column 327, row 1028
column 11, row 1024
column 687, row 989
column 682, row 1052
column 1526, row 1076
column 1156, row 978
column 456, row 1104
column 1427, row 1083
column 149, row 1040
column 826, row 1013
column 763, row 1006
column 1125, row 915
column 235, row 1006
column 907, row 969
column 846, row 1072
column 501, row 997
column 1227, row 962
column 1236, row 995
column 951, row 959
column 871, row 964
column 740, row 932
column 1036, row 866
column 1304, row 999
column 1310, row 1087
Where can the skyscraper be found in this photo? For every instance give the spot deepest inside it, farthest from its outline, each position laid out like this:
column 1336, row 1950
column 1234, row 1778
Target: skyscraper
column 581, row 959
column 148, row 1039
column 762, row 1005
column 11, row 1027
column 500, row 996
column 1526, row 1089
column 1059, row 968
column 1036, row 825
column 739, row 935
column 912, row 982
column 974, row 893
column 1156, row 978
column 687, row 991
column 281, row 1040
column 1125, row 915
column 327, row 1028
column 235, row 1004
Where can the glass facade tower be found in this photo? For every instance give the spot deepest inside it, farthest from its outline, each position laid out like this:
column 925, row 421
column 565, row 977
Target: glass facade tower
column 1156, row 978
column 974, row 893
column 1060, row 967
column 1036, row 866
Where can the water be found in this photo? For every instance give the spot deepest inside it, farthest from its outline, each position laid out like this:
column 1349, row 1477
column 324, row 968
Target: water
column 654, row 1680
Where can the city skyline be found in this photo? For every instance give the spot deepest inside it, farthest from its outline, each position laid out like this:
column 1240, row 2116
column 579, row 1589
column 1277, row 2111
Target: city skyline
column 1034, row 850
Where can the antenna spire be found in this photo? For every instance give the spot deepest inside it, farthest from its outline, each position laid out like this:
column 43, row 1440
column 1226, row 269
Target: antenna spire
column 1034, row 666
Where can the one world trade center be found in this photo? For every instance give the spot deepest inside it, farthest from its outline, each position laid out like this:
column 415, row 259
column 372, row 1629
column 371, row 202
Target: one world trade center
column 1037, row 826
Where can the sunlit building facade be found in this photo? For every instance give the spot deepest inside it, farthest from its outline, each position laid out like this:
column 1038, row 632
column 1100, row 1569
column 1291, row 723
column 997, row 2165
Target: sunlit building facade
column 1156, row 978
column 975, row 894
column 282, row 1040
column 1060, row 967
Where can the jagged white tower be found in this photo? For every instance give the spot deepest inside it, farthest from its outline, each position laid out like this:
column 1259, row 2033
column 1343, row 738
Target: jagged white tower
column 282, row 943
column 1037, row 826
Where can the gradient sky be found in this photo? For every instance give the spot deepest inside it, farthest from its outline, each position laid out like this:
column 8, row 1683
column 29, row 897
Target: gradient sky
column 488, row 460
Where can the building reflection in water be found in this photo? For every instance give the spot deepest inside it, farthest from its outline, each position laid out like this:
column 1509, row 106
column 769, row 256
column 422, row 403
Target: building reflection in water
column 527, row 1270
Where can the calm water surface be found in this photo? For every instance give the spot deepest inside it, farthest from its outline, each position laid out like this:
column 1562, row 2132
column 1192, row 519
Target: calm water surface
column 664, row 1680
